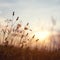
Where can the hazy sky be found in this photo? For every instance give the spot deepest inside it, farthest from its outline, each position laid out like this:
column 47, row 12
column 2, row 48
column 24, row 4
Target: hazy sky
column 37, row 12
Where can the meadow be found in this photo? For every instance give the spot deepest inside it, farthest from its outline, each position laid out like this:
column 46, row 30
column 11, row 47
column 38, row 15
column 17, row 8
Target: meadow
column 15, row 43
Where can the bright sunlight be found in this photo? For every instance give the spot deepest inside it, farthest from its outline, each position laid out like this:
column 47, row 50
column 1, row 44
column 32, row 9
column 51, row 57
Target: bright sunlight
column 42, row 35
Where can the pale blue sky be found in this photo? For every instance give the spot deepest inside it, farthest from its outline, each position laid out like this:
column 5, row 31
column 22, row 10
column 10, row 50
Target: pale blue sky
column 37, row 12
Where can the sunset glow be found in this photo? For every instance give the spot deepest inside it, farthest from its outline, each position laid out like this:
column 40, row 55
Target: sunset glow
column 42, row 35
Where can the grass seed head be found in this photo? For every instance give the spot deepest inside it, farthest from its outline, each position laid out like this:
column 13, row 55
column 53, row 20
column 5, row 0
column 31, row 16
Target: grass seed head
column 33, row 36
column 17, row 18
column 27, row 24
column 37, row 40
column 27, row 34
column 13, row 13
column 25, row 28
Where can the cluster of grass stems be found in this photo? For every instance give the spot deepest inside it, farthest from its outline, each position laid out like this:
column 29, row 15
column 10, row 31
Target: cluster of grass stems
column 20, row 36
column 15, row 32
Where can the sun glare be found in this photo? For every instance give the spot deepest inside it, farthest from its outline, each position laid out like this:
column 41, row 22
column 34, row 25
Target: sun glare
column 42, row 35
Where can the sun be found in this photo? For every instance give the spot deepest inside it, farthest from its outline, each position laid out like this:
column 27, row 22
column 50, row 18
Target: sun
column 42, row 35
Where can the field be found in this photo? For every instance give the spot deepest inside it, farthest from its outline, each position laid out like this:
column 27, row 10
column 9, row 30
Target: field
column 14, row 53
column 15, row 43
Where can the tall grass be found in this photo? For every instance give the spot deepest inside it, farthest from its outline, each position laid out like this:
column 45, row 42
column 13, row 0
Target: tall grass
column 17, row 35
column 10, row 34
